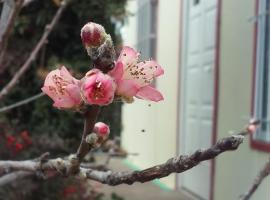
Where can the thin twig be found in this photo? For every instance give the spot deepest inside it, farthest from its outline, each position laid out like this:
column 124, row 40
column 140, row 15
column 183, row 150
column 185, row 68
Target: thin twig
column 35, row 51
column 27, row 2
column 90, row 120
column 9, row 14
column 258, row 180
column 15, row 176
column 177, row 164
column 22, row 102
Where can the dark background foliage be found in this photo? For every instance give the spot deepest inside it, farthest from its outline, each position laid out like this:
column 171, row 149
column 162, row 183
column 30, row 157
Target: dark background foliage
column 46, row 124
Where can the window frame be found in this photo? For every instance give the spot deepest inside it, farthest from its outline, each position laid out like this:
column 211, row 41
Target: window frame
column 151, row 35
column 259, row 61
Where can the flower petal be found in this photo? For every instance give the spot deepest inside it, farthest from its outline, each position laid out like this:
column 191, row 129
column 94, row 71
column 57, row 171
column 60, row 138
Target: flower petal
column 51, row 92
column 151, row 67
column 128, row 56
column 117, row 71
column 74, row 93
column 64, row 103
column 149, row 93
column 127, row 88
column 65, row 74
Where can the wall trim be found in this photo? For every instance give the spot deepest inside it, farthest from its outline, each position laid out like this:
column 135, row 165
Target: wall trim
column 256, row 144
column 216, row 96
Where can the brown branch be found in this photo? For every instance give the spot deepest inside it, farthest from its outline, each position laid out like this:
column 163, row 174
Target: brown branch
column 27, row 2
column 9, row 178
column 35, row 51
column 90, row 116
column 8, row 17
column 258, row 180
column 177, row 164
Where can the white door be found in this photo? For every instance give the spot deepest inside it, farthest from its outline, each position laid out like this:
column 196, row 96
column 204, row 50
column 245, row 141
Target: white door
column 197, row 89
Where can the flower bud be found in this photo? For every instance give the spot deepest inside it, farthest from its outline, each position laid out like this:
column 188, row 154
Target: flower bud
column 93, row 140
column 101, row 129
column 93, row 35
column 251, row 128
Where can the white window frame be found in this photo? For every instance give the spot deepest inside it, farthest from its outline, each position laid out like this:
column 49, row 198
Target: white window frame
column 146, row 26
column 262, row 70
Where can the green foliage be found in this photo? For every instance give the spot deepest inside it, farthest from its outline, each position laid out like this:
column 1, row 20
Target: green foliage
column 63, row 48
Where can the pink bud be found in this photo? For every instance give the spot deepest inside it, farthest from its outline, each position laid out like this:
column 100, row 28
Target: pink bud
column 98, row 88
column 92, row 34
column 251, row 128
column 101, row 129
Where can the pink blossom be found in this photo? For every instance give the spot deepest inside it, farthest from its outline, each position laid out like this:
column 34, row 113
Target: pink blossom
column 251, row 128
column 98, row 88
column 101, row 129
column 92, row 34
column 62, row 88
column 134, row 78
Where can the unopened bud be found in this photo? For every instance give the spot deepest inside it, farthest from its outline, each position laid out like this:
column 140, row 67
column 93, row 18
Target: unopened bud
column 251, row 128
column 92, row 139
column 101, row 129
column 93, row 35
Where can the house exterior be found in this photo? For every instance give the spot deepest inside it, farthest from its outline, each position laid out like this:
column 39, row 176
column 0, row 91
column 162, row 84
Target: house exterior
column 215, row 55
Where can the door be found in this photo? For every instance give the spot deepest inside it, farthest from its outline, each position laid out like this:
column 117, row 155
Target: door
column 197, row 90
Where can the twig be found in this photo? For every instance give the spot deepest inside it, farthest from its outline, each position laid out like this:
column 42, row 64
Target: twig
column 174, row 165
column 9, row 178
column 258, row 180
column 11, row 9
column 23, row 102
column 27, row 2
column 90, row 119
column 35, row 51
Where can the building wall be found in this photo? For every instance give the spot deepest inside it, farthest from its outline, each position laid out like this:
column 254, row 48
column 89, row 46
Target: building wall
column 150, row 129
column 235, row 171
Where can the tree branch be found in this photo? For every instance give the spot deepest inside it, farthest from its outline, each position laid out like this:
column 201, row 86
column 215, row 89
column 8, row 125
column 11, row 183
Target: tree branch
column 258, row 180
column 11, row 9
column 35, row 51
column 9, row 178
column 90, row 119
column 177, row 164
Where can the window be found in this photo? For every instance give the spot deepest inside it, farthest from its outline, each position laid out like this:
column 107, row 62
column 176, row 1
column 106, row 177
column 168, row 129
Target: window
column 147, row 21
column 262, row 73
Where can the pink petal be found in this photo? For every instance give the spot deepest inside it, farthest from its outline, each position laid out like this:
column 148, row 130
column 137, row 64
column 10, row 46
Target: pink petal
column 51, row 93
column 151, row 68
column 117, row 71
column 64, row 103
column 74, row 93
column 65, row 74
column 149, row 93
column 128, row 56
column 127, row 88
column 49, row 78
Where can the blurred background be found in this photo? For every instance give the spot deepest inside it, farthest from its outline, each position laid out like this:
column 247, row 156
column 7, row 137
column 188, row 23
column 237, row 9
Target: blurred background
column 215, row 54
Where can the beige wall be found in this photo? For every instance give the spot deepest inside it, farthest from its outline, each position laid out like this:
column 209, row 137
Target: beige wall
column 159, row 120
column 235, row 171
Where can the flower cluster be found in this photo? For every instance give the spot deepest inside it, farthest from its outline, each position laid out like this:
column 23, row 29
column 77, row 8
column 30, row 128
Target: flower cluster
column 129, row 78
